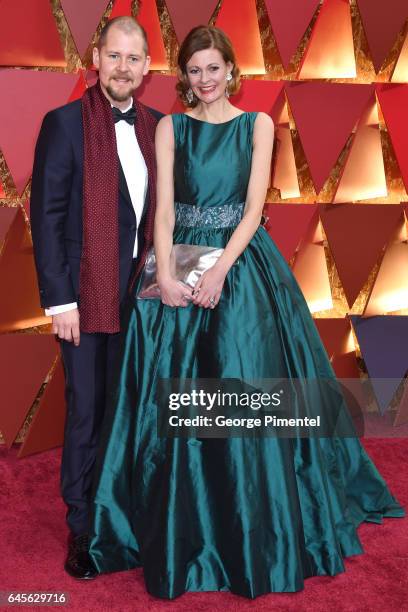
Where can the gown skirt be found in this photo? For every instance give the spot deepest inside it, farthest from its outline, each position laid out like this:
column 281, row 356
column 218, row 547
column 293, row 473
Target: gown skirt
column 251, row 515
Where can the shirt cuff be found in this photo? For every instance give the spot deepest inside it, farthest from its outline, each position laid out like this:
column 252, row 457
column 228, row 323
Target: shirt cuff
column 53, row 310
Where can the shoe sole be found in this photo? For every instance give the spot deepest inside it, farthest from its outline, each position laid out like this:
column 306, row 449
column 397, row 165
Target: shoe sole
column 73, row 575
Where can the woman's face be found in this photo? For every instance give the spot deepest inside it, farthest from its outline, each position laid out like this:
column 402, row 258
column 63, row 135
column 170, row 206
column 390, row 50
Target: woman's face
column 206, row 73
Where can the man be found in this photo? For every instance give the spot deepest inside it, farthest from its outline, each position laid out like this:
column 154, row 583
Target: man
column 92, row 208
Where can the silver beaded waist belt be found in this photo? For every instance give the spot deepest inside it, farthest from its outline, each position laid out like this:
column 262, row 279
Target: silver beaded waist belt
column 189, row 215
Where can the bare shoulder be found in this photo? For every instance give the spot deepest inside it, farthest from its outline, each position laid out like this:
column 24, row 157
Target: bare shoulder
column 164, row 131
column 165, row 123
column 263, row 121
column 264, row 131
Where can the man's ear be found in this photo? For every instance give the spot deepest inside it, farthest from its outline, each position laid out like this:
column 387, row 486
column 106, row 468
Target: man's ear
column 147, row 65
column 95, row 57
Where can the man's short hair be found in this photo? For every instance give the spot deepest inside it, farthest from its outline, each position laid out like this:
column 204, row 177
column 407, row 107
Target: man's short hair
column 125, row 24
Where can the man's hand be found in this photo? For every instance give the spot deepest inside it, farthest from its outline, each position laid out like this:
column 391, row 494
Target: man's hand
column 66, row 326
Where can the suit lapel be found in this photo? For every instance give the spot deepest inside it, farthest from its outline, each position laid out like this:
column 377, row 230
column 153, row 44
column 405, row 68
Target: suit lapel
column 145, row 127
column 124, row 190
column 123, row 187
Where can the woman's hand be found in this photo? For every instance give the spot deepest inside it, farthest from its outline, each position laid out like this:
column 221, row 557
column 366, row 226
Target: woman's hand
column 208, row 288
column 174, row 292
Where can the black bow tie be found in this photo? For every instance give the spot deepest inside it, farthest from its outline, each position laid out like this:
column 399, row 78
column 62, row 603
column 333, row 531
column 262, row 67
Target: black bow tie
column 129, row 116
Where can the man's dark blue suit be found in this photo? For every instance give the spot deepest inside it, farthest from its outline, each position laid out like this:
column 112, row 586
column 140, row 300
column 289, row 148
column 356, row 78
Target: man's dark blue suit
column 56, row 223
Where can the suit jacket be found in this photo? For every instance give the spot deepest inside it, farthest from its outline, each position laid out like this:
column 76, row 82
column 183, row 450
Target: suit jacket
column 56, row 208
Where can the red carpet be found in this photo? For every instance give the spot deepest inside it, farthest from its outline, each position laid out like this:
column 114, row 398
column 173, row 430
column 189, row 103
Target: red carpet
column 33, row 537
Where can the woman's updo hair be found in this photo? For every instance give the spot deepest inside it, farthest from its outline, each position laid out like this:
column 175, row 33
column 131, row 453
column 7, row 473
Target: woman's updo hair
column 198, row 39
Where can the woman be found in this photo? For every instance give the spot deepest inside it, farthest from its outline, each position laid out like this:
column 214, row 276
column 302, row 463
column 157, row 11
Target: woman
column 248, row 514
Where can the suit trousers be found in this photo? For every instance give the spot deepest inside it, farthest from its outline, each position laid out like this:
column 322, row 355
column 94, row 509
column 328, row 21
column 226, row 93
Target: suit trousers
column 88, row 369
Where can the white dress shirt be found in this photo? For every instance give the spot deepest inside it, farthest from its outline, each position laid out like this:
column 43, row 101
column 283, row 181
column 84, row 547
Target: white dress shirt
column 135, row 171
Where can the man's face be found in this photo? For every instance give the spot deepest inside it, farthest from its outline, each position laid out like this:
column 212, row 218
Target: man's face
column 122, row 63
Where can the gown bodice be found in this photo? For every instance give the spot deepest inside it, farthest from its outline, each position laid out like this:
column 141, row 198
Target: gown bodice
column 212, row 161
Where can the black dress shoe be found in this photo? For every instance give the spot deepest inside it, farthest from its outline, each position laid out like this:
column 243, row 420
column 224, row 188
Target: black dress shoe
column 79, row 563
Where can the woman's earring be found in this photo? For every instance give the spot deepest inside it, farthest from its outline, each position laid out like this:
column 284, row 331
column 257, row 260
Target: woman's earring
column 189, row 95
column 229, row 78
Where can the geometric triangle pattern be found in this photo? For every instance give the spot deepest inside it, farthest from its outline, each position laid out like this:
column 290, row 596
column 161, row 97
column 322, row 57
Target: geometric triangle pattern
column 330, row 53
column 28, row 34
column 149, row 19
column 91, row 77
column 354, row 229
column 79, row 88
column 30, row 95
column 261, row 96
column 159, row 92
column 337, row 338
column 287, row 224
column 363, row 175
column 25, row 360
column 310, row 268
column 284, row 175
column 7, row 216
column 242, row 28
column 47, row 427
column 388, row 365
column 382, row 22
column 402, row 411
column 393, row 101
column 335, row 335
column 186, row 15
column 289, row 20
column 19, row 304
column 325, row 115
column 389, row 292
column 400, row 73
column 83, row 19
column 120, row 8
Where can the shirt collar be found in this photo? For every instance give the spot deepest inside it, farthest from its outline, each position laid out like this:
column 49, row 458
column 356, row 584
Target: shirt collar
column 127, row 108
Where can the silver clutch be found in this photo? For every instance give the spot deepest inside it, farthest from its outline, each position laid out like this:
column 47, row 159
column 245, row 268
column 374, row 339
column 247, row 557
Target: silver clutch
column 187, row 263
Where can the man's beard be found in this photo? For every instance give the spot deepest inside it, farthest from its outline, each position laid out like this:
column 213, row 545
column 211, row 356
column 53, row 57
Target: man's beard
column 120, row 97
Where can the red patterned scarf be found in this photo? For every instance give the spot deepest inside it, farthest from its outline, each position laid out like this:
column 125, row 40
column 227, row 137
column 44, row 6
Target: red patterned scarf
column 99, row 270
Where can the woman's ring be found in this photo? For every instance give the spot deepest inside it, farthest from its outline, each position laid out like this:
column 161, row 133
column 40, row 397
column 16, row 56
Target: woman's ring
column 212, row 301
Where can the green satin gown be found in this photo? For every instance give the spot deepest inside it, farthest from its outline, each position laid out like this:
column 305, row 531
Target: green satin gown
column 249, row 515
